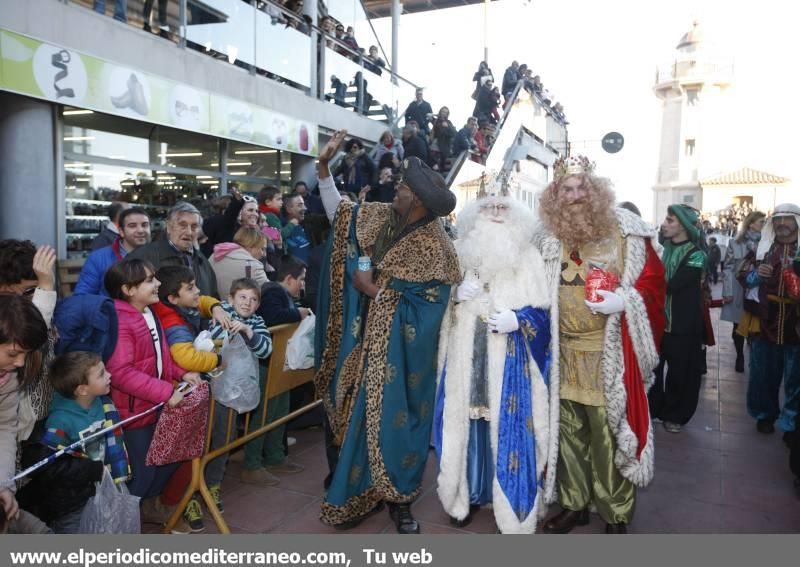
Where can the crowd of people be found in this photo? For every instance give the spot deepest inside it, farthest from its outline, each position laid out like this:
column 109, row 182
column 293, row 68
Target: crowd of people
column 536, row 353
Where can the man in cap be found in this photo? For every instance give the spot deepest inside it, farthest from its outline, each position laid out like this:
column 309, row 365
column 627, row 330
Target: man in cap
column 673, row 399
column 492, row 419
column 384, row 288
column 603, row 352
column 775, row 355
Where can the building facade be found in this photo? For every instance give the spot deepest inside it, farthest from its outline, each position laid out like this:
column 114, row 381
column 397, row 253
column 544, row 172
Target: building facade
column 221, row 93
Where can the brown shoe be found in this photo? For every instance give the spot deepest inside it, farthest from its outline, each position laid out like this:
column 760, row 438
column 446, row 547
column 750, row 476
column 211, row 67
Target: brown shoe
column 237, row 457
column 155, row 512
column 564, row 522
column 259, row 476
column 286, row 467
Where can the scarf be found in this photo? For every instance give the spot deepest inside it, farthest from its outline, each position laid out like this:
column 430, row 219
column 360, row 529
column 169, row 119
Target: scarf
column 116, row 456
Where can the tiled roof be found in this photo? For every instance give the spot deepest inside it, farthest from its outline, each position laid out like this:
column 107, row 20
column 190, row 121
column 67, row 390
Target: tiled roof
column 746, row 176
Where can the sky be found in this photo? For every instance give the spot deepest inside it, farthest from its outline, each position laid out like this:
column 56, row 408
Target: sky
column 599, row 59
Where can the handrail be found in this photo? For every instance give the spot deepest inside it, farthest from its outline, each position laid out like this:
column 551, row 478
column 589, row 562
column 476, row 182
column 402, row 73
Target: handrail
column 463, row 156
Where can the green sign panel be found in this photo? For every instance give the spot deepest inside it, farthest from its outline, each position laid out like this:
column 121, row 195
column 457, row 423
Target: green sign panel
column 64, row 76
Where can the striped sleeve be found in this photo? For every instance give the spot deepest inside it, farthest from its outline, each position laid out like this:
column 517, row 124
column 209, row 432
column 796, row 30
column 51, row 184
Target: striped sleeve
column 261, row 343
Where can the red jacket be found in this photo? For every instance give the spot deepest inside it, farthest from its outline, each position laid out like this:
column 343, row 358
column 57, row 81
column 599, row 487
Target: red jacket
column 135, row 386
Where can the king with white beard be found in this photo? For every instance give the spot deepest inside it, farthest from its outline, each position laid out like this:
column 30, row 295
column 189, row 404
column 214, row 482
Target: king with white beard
column 491, row 423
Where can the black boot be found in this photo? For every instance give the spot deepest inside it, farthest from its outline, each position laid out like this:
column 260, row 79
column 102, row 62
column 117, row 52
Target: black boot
column 466, row 521
column 565, row 521
column 616, row 528
column 402, row 518
column 738, row 341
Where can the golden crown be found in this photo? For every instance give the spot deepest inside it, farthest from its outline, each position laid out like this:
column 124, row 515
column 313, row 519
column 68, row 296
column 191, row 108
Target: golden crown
column 573, row 165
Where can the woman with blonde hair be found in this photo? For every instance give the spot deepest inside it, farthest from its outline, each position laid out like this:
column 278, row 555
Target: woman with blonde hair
column 242, row 258
column 739, row 249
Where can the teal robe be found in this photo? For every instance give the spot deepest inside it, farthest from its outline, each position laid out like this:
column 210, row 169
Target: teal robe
column 377, row 368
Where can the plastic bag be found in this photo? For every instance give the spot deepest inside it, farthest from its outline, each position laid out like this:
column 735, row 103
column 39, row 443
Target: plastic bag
column 599, row 278
column 237, row 385
column 180, row 433
column 300, row 348
column 112, row 510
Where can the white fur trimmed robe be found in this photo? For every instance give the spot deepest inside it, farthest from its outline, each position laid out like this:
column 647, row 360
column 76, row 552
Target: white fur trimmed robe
column 638, row 237
column 520, row 285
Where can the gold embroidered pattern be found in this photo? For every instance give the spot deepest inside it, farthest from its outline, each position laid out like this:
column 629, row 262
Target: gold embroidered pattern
column 355, row 475
column 410, row 460
column 414, row 380
column 355, row 327
column 513, row 462
column 424, row 410
column 432, row 294
column 400, row 419
column 391, row 373
column 513, row 402
column 410, row 333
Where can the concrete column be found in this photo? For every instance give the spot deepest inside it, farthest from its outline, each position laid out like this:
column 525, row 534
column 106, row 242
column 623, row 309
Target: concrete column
column 311, row 9
column 29, row 170
column 304, row 168
column 397, row 9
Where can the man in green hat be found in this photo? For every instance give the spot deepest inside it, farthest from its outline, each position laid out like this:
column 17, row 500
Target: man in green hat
column 384, row 288
column 673, row 398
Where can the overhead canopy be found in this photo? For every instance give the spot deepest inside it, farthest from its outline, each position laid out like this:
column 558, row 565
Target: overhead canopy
column 383, row 8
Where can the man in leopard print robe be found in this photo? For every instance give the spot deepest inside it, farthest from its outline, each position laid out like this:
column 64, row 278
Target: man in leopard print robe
column 377, row 337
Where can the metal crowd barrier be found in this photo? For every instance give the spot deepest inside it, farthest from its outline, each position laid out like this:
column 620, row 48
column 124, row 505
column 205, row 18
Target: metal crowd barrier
column 278, row 381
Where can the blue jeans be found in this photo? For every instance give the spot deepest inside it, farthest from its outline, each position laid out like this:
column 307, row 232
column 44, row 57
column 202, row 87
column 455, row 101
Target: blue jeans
column 769, row 365
column 146, row 481
column 120, row 9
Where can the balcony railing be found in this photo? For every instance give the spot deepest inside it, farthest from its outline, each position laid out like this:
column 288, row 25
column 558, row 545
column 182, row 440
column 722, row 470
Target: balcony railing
column 268, row 40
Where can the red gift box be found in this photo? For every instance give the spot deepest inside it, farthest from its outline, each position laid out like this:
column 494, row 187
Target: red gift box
column 598, row 278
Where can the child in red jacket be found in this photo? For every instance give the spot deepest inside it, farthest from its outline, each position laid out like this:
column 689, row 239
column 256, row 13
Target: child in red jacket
column 142, row 375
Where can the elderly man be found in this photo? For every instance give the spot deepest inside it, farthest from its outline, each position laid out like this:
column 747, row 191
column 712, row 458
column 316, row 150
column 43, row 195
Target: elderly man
column 384, row 289
column 604, row 352
column 494, row 355
column 776, row 351
column 177, row 247
column 134, row 226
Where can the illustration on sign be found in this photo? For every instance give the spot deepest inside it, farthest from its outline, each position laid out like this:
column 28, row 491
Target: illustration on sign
column 129, row 91
column 60, row 74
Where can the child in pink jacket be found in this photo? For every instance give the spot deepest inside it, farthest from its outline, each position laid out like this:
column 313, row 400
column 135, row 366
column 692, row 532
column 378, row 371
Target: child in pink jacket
column 142, row 374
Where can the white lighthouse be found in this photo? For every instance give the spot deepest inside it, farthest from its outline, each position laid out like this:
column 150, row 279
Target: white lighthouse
column 695, row 122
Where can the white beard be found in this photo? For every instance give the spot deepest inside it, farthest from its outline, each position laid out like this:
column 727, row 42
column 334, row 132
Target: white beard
column 489, row 248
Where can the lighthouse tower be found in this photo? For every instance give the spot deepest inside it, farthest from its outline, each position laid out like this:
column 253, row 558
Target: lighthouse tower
column 694, row 124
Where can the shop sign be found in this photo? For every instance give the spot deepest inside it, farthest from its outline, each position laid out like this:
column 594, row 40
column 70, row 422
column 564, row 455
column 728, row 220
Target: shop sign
column 42, row 70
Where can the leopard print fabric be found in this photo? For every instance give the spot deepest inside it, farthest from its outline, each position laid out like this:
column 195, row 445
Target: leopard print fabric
column 426, row 254
column 333, row 333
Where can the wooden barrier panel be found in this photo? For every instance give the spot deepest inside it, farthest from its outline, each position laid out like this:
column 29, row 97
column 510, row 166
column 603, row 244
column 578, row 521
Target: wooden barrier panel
column 279, row 381
column 68, row 273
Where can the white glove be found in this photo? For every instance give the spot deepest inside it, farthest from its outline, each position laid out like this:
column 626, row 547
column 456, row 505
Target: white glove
column 468, row 290
column 612, row 303
column 503, row 322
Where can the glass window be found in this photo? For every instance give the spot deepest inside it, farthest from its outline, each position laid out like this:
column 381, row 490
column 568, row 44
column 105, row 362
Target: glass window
column 247, row 160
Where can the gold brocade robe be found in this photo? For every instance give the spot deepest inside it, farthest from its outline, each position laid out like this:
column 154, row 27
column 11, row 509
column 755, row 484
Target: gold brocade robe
column 580, row 332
